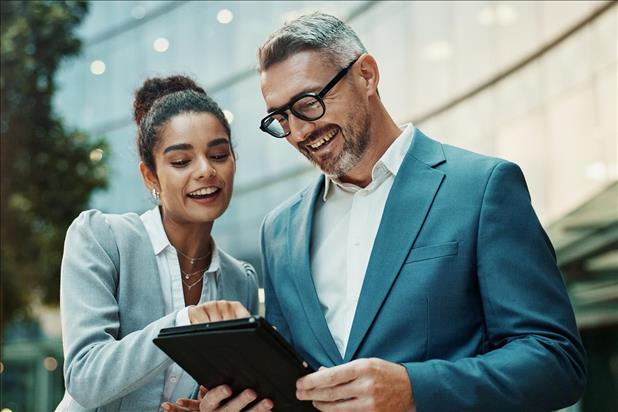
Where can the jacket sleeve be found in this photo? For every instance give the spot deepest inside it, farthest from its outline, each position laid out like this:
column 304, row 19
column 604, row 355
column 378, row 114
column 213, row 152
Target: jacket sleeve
column 99, row 365
column 253, row 303
column 534, row 358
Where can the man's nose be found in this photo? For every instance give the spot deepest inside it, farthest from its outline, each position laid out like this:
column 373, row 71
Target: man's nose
column 299, row 128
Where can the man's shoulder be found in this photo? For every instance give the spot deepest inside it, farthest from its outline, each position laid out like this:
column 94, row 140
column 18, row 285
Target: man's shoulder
column 465, row 160
column 286, row 207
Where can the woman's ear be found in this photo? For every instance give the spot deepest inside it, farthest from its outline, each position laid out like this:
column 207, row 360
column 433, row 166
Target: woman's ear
column 149, row 177
column 368, row 69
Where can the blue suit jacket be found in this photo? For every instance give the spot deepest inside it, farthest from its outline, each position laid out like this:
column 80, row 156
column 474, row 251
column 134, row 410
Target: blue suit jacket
column 462, row 287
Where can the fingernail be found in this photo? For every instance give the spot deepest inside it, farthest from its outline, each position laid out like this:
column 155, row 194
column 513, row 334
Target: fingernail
column 251, row 394
column 268, row 403
column 165, row 406
column 227, row 391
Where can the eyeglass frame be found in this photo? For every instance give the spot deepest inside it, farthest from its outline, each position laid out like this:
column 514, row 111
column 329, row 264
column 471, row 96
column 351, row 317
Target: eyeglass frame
column 317, row 96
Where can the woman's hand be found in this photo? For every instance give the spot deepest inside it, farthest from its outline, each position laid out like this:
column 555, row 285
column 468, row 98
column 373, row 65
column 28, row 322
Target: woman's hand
column 213, row 401
column 217, row 310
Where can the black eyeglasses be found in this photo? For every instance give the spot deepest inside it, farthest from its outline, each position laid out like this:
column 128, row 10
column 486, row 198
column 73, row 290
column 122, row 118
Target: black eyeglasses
column 307, row 106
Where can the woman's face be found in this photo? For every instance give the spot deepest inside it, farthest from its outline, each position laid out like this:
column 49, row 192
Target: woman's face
column 195, row 168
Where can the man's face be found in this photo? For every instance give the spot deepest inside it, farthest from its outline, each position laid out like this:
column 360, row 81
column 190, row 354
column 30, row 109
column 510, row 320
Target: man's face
column 338, row 140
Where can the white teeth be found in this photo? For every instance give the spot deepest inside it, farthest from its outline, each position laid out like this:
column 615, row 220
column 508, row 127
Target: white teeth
column 204, row 191
column 323, row 139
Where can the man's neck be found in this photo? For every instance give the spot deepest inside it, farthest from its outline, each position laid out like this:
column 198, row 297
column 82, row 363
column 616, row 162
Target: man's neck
column 382, row 134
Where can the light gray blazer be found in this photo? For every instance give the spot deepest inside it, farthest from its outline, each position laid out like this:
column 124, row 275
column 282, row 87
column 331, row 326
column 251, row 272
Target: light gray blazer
column 112, row 307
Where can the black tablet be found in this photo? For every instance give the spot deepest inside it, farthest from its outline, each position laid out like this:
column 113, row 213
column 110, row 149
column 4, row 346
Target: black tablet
column 242, row 353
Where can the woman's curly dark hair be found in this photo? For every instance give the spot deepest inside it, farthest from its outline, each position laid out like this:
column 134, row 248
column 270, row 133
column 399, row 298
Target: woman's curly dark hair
column 158, row 100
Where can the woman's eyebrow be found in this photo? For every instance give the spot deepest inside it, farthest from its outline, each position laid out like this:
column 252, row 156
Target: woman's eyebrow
column 216, row 142
column 180, row 146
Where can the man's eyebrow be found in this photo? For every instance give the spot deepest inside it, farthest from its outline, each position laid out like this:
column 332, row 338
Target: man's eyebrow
column 304, row 91
column 180, row 146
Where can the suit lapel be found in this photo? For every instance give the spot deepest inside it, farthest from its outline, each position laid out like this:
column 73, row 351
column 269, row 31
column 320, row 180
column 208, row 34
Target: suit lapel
column 408, row 203
column 299, row 229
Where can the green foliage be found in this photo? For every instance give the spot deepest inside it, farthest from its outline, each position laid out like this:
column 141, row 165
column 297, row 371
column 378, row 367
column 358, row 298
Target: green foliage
column 47, row 172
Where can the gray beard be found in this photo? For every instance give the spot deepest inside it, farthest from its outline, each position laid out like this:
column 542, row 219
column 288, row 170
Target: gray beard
column 354, row 148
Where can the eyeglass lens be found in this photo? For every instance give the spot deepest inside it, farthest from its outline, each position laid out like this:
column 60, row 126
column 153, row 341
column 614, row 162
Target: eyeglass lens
column 307, row 108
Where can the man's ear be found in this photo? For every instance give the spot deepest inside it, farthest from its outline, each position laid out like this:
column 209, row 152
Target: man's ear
column 149, row 177
column 368, row 69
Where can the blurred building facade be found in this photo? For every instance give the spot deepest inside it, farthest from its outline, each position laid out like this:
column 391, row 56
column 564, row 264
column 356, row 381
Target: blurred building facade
column 531, row 82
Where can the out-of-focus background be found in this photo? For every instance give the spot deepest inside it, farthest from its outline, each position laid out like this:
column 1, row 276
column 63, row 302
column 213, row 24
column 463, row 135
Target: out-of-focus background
column 531, row 82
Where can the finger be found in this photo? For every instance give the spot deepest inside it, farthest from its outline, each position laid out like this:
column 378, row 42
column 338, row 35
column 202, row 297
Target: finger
column 240, row 401
column 333, row 393
column 240, row 311
column 336, row 375
column 232, row 310
column 170, row 407
column 341, row 406
column 202, row 392
column 191, row 404
column 214, row 311
column 262, row 406
column 213, row 398
column 226, row 310
column 197, row 315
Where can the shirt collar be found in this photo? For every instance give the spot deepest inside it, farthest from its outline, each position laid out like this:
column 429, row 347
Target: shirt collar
column 390, row 161
column 154, row 226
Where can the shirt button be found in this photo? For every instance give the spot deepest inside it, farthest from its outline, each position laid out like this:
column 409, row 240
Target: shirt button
column 173, row 379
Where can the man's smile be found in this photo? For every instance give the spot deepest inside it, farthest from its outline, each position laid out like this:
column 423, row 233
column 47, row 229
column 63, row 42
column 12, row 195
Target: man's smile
column 322, row 141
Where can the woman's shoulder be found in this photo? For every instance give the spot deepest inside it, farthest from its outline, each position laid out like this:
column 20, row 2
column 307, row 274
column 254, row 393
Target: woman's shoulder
column 107, row 228
column 95, row 216
column 100, row 223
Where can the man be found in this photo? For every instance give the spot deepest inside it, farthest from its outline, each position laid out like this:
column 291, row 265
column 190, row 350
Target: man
column 416, row 273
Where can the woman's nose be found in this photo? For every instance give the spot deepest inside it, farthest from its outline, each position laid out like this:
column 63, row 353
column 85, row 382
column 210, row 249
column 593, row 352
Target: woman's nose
column 205, row 169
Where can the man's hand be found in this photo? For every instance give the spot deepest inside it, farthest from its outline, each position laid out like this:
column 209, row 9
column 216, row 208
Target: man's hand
column 361, row 385
column 217, row 310
column 215, row 400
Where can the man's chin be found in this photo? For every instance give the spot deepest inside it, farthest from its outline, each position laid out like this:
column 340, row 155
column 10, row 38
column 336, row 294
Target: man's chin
column 333, row 171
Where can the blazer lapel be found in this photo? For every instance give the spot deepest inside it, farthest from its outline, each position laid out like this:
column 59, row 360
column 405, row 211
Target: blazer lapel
column 299, row 230
column 408, row 203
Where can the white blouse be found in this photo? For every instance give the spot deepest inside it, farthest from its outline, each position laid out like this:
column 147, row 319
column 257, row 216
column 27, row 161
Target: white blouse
column 178, row 384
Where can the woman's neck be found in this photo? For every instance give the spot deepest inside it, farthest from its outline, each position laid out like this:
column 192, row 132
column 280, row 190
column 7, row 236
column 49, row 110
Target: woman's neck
column 190, row 239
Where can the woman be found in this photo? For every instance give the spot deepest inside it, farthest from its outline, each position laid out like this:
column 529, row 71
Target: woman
column 124, row 277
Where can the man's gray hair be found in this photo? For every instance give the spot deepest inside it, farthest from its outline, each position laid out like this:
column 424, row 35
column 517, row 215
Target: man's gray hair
column 324, row 33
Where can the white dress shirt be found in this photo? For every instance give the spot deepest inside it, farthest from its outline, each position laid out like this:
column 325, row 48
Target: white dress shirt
column 177, row 383
column 345, row 226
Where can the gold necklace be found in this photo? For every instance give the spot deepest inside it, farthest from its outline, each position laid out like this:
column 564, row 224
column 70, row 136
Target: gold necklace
column 190, row 285
column 187, row 275
column 192, row 260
